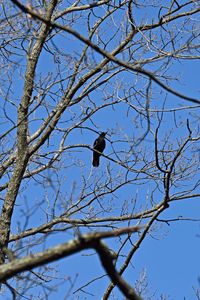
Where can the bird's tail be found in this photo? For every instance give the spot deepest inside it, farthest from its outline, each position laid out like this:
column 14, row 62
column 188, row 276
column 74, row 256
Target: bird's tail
column 95, row 162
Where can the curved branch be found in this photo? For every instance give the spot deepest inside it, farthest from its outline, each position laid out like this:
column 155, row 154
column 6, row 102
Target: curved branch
column 106, row 54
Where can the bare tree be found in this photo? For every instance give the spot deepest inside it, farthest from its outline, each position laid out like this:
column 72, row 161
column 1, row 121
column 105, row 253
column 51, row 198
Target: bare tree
column 69, row 71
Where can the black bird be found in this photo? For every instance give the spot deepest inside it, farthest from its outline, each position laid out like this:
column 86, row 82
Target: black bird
column 99, row 145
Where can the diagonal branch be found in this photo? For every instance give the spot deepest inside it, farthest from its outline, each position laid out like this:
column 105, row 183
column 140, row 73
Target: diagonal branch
column 107, row 263
column 106, row 54
column 91, row 240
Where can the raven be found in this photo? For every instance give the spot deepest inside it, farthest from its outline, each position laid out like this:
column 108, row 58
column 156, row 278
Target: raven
column 99, row 145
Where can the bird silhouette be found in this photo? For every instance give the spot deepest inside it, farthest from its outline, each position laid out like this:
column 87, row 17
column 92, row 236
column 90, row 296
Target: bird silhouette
column 99, row 145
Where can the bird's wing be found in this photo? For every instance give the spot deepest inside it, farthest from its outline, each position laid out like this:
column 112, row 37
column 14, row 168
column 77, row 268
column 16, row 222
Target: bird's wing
column 96, row 143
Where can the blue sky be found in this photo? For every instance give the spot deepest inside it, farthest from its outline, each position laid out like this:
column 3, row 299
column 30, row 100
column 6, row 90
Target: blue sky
column 169, row 255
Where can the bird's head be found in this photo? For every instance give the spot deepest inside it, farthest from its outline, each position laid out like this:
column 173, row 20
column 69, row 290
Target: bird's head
column 103, row 134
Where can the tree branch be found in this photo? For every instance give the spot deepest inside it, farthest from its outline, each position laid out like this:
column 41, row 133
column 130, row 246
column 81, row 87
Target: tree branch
column 106, row 54
column 92, row 240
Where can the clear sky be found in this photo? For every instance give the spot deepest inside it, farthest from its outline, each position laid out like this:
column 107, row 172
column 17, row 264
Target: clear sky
column 167, row 261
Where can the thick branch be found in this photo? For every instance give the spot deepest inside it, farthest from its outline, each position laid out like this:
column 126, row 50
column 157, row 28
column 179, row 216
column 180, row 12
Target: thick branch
column 92, row 240
column 22, row 132
column 107, row 263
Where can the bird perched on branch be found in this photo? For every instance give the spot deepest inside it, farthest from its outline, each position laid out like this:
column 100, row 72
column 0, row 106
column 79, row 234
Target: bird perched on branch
column 99, row 145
